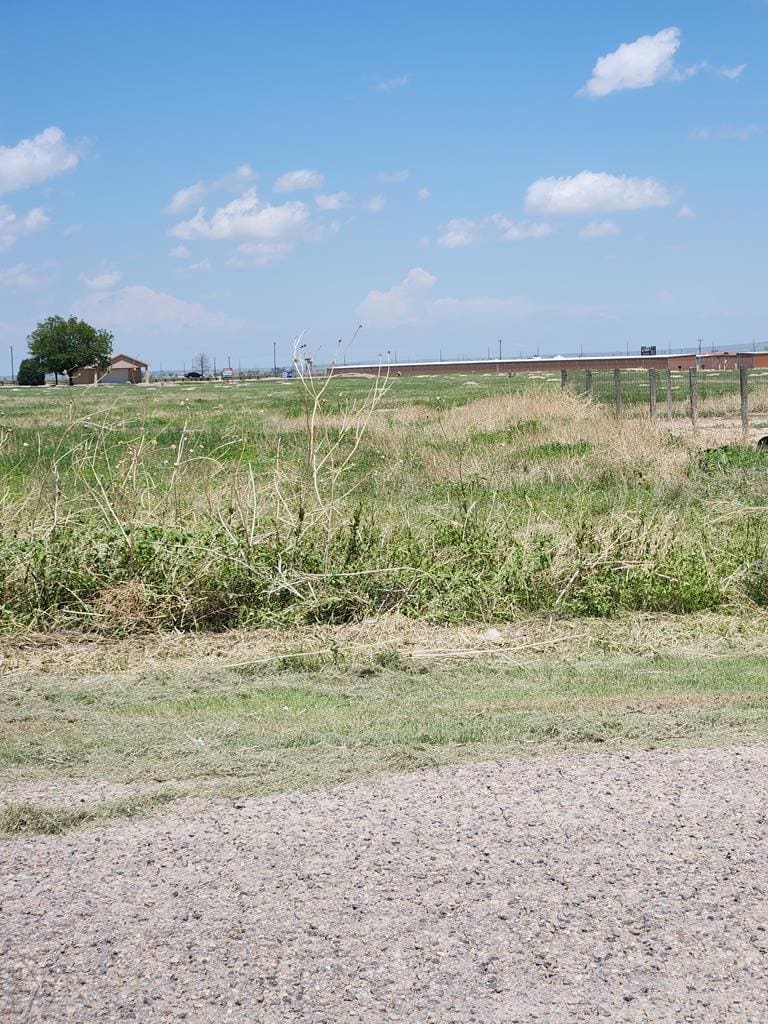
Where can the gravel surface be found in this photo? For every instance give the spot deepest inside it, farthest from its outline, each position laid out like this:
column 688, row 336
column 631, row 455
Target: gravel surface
column 618, row 887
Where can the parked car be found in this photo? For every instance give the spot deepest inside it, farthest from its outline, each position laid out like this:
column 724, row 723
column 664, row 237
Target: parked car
column 193, row 375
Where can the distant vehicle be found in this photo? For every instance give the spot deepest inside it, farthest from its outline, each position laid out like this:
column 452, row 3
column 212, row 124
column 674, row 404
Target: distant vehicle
column 193, row 375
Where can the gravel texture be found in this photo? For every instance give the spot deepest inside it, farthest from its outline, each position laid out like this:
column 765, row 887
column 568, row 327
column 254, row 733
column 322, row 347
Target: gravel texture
column 617, row 887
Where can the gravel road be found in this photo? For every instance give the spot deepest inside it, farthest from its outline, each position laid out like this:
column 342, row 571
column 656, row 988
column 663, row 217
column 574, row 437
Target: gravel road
column 617, row 887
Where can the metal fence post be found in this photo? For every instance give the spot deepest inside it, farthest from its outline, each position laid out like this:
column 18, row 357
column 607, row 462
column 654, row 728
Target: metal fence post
column 669, row 394
column 744, row 393
column 588, row 383
column 617, row 392
column 693, row 385
column 563, row 378
column 652, row 379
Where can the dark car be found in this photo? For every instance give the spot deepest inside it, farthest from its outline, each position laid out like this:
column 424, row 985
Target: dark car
column 193, row 375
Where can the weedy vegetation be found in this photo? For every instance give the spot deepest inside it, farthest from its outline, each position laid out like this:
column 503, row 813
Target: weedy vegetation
column 133, row 518
column 277, row 504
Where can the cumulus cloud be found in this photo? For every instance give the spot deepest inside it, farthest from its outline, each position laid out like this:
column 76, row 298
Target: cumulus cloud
column 635, row 65
column 194, row 194
column 375, row 204
column 13, row 227
column 685, row 213
column 645, row 62
column 410, row 302
column 459, row 232
column 179, row 252
column 104, row 280
column 423, row 194
column 298, row 181
column 600, row 229
column 34, row 160
column 259, row 254
column 245, row 217
column 388, row 84
column 21, row 277
column 201, row 267
column 462, row 231
column 518, row 231
column 401, row 304
column 393, row 177
column 137, row 306
column 590, row 192
column 332, row 201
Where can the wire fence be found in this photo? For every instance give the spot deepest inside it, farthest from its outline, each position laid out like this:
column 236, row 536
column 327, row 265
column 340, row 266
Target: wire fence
column 735, row 394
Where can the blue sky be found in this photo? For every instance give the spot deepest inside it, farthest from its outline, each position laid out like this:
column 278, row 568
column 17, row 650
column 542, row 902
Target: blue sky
column 201, row 178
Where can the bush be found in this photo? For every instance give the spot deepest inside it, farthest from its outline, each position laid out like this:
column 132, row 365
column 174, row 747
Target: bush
column 30, row 374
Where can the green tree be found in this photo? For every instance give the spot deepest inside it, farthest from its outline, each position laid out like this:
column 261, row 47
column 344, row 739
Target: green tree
column 66, row 346
column 30, row 373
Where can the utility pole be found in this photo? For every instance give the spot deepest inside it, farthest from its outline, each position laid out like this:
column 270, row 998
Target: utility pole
column 13, row 371
column 699, row 346
column 274, row 357
column 499, row 349
column 214, row 366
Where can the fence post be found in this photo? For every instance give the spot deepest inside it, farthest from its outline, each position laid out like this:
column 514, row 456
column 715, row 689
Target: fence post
column 563, row 378
column 669, row 394
column 617, row 392
column 693, row 387
column 588, row 384
column 744, row 393
column 652, row 383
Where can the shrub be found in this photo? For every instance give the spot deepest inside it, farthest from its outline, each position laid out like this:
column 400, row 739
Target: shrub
column 30, row 374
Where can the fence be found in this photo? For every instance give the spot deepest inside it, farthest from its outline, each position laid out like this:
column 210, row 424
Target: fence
column 737, row 395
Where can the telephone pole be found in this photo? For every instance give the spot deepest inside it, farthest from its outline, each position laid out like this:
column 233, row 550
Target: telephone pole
column 499, row 349
column 13, row 372
column 274, row 358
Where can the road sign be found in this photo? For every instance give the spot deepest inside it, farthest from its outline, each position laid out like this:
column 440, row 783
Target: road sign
column 227, row 373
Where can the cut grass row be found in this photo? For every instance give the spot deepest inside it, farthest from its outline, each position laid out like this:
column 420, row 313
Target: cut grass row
column 251, row 731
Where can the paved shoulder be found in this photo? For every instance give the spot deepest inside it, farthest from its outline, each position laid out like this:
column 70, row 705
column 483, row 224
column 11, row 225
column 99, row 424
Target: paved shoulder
column 626, row 886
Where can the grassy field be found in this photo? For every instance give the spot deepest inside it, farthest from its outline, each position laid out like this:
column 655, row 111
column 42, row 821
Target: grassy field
column 450, row 499
column 227, row 590
column 254, row 717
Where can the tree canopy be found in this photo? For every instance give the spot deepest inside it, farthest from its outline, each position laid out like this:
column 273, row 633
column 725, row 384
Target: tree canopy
column 30, row 373
column 66, row 346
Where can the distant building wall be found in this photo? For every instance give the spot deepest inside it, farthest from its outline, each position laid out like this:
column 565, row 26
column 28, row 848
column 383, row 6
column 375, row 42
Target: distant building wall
column 594, row 363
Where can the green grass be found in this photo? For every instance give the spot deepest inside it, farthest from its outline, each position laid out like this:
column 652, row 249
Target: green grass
column 464, row 500
column 218, row 731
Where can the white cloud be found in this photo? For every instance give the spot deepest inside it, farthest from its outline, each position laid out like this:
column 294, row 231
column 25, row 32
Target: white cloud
column 462, row 231
column 21, row 277
column 189, row 196
column 203, row 267
column 298, row 181
column 410, row 303
column 72, row 229
column 179, row 252
column 459, row 232
column 685, row 213
column 102, row 281
column 423, row 194
column 234, row 181
column 245, row 217
column 137, row 306
column 741, row 133
column 13, row 227
column 259, row 254
column 600, row 229
column 388, row 84
column 34, row 160
column 518, row 231
column 732, row 73
column 332, row 201
column 590, row 192
column 375, row 204
column 403, row 303
column 635, row 65
column 393, row 177
column 645, row 62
